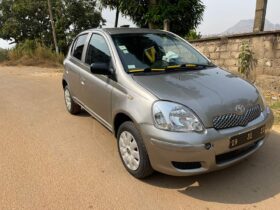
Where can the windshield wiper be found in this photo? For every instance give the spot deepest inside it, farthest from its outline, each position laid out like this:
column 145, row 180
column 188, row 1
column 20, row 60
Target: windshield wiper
column 145, row 70
column 189, row 66
column 192, row 65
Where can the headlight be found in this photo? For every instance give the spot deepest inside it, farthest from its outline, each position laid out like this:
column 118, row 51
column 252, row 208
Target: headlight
column 175, row 117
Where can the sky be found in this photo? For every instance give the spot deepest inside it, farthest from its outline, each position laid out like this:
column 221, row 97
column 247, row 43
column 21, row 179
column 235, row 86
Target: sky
column 221, row 15
column 218, row 15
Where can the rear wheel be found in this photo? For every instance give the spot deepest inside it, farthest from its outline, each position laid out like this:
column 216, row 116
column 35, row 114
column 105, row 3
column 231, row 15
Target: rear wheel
column 133, row 152
column 71, row 105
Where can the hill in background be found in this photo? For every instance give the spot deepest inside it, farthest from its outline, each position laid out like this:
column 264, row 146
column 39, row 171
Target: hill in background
column 246, row 26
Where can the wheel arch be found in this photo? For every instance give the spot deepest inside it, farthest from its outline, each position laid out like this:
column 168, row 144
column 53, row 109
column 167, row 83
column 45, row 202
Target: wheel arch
column 119, row 119
column 64, row 83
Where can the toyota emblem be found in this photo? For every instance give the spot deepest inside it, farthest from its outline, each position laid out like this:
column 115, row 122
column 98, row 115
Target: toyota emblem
column 240, row 109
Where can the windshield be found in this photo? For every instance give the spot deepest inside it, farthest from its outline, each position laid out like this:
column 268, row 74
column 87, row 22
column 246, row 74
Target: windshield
column 156, row 52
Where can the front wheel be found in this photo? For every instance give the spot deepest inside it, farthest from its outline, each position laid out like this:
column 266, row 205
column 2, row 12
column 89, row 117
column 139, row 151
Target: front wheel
column 133, row 152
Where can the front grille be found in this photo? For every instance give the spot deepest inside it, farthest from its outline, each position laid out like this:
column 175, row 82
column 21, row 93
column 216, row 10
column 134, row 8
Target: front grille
column 233, row 120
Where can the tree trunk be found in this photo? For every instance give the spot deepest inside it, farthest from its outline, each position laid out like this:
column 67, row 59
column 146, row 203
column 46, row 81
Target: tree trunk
column 53, row 27
column 166, row 25
column 152, row 3
column 260, row 15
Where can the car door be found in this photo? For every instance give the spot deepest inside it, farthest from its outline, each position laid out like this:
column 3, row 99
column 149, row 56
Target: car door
column 97, row 89
column 74, row 65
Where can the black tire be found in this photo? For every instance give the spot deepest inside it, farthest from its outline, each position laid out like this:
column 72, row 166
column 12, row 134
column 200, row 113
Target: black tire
column 144, row 169
column 74, row 107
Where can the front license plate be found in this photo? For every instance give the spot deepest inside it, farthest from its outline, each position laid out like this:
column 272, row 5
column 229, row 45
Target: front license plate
column 243, row 138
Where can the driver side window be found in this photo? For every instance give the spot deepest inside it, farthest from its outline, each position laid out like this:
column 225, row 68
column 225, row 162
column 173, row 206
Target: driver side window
column 98, row 50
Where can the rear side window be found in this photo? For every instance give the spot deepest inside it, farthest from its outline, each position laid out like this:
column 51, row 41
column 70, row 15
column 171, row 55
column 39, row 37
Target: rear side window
column 79, row 46
column 98, row 50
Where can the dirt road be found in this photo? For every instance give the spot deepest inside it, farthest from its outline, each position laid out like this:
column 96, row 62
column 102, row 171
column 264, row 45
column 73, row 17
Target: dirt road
column 52, row 160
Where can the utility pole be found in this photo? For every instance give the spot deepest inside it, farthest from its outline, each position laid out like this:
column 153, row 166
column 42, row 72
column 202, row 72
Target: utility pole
column 53, row 27
column 117, row 17
column 260, row 15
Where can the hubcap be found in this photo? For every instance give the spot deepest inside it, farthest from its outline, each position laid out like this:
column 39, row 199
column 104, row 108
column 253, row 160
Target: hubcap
column 129, row 150
column 67, row 99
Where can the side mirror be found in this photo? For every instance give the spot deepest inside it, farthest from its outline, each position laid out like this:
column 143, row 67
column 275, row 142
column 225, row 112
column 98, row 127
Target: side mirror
column 101, row 68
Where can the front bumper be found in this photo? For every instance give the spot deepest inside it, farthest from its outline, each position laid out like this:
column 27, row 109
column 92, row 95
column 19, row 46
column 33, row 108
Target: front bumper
column 183, row 154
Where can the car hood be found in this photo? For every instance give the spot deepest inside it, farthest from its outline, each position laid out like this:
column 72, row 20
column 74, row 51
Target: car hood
column 209, row 93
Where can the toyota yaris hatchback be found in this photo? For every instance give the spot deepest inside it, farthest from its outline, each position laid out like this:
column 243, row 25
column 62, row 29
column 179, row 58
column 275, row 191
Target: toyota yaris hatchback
column 169, row 107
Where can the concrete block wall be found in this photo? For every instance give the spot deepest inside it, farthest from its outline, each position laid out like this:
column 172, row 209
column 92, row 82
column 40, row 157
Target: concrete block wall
column 224, row 51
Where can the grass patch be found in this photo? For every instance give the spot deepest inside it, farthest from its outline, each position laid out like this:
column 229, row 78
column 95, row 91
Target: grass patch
column 33, row 53
column 276, row 111
column 3, row 55
column 275, row 105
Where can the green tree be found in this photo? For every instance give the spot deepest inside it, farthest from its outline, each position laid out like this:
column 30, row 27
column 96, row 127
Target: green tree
column 184, row 15
column 74, row 16
column 193, row 35
column 21, row 20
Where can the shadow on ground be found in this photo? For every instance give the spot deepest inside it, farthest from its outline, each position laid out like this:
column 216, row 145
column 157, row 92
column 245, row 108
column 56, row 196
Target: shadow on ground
column 253, row 180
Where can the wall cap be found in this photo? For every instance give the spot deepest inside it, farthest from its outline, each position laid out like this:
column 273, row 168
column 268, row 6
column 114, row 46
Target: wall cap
column 234, row 36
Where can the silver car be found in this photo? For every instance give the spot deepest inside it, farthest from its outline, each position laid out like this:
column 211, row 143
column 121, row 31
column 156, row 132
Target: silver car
column 169, row 107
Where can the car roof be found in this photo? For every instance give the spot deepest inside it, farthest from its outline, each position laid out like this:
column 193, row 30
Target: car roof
column 125, row 30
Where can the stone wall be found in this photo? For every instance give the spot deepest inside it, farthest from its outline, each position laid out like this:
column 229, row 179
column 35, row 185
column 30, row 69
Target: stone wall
column 224, row 51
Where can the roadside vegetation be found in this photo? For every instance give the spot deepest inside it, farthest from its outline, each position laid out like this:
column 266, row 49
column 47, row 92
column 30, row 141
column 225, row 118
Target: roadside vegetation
column 247, row 62
column 275, row 106
column 276, row 109
column 31, row 53
column 30, row 20
column 193, row 35
column 3, row 54
column 270, row 88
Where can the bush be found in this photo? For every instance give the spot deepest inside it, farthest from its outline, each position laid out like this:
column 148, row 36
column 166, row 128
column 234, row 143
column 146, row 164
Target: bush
column 3, row 54
column 247, row 62
column 33, row 53
column 193, row 35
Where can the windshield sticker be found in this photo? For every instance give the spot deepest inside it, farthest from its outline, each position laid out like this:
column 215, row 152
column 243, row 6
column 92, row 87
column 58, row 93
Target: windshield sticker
column 131, row 66
column 122, row 47
column 125, row 51
column 151, row 54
